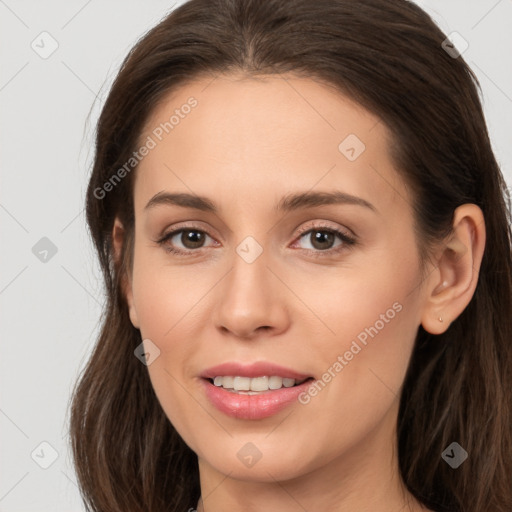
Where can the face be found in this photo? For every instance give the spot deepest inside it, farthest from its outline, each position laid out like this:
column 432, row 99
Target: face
column 299, row 270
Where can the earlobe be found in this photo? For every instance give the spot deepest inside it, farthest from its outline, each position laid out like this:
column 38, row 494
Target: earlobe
column 452, row 284
column 131, row 309
column 118, row 241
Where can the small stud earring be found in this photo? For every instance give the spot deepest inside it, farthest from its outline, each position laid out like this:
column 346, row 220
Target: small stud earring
column 440, row 318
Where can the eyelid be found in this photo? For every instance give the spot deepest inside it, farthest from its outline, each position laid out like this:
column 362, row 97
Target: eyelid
column 321, row 225
column 185, row 225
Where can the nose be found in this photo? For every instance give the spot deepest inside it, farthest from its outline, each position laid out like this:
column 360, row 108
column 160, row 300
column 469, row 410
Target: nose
column 252, row 300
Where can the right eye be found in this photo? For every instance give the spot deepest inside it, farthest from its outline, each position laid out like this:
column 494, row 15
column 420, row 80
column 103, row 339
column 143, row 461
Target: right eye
column 190, row 238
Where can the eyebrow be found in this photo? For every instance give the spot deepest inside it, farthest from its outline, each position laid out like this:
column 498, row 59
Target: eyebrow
column 290, row 202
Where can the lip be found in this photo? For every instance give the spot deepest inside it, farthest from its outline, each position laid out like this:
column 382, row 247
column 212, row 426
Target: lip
column 252, row 407
column 258, row 369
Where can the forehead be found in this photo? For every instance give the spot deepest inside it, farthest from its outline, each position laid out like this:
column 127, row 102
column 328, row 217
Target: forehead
column 263, row 136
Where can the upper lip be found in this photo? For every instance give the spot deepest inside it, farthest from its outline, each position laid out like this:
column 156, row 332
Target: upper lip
column 257, row 369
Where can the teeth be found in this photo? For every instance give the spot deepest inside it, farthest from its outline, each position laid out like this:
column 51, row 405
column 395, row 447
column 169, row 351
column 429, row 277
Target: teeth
column 275, row 382
column 259, row 384
column 228, row 382
column 242, row 384
column 288, row 383
column 254, row 384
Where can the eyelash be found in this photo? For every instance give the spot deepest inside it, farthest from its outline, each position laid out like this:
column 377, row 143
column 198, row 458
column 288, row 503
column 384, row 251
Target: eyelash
column 347, row 240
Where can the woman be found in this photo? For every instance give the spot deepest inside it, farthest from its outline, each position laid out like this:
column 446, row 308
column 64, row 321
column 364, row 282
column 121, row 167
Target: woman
column 306, row 249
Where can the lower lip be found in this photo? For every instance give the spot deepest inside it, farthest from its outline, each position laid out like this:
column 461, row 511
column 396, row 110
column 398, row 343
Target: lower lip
column 253, row 407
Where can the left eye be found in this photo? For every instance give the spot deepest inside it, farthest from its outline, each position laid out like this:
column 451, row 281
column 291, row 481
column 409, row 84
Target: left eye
column 323, row 239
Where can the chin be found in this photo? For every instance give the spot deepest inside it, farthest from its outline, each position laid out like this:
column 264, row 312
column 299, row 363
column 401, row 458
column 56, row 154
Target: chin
column 258, row 461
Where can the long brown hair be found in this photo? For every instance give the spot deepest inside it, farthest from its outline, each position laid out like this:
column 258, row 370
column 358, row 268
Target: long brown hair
column 388, row 56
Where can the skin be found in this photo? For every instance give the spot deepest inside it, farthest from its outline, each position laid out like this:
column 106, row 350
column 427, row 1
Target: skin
column 248, row 143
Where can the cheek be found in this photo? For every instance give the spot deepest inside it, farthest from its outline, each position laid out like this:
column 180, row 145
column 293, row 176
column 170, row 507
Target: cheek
column 361, row 367
column 168, row 304
column 370, row 319
column 164, row 296
column 371, row 300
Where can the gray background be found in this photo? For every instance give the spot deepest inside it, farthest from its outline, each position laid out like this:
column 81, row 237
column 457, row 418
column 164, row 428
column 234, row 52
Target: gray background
column 50, row 309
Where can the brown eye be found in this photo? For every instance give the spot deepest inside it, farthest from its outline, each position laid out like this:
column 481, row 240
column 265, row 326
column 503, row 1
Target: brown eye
column 322, row 240
column 192, row 238
column 184, row 241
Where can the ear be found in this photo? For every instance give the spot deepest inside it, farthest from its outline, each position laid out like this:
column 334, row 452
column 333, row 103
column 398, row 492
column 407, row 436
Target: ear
column 118, row 241
column 452, row 284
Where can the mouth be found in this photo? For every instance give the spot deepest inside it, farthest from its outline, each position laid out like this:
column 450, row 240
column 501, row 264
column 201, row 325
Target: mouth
column 253, row 391
column 255, row 385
